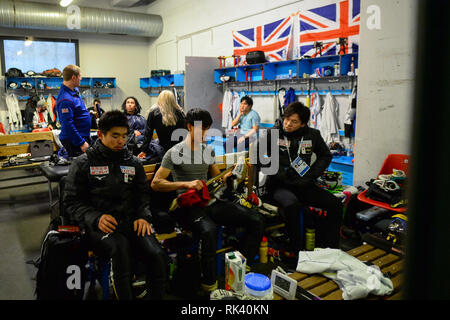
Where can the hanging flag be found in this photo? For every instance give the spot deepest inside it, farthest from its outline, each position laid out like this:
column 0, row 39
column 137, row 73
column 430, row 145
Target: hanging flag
column 327, row 24
column 272, row 38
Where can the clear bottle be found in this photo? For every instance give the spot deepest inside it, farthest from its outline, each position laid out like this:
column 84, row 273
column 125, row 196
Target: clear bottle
column 263, row 250
column 310, row 236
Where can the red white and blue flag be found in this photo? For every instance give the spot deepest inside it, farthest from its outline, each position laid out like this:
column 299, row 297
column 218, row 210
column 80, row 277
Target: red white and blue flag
column 327, row 24
column 272, row 38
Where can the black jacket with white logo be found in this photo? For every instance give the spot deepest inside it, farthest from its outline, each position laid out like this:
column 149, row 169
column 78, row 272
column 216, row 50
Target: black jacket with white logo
column 102, row 181
column 313, row 143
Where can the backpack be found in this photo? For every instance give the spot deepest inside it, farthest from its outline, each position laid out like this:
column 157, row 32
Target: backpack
column 62, row 270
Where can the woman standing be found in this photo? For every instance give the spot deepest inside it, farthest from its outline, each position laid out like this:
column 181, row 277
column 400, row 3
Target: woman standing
column 164, row 117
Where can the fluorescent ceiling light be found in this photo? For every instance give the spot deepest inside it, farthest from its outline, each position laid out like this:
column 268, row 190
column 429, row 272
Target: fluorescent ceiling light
column 65, row 3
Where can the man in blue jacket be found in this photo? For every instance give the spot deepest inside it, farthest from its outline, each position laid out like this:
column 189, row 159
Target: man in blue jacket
column 72, row 113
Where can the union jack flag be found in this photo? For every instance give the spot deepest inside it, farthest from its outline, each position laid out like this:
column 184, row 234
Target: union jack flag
column 272, row 38
column 327, row 24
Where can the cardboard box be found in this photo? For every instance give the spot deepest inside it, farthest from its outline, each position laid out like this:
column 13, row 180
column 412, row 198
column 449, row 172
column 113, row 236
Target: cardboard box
column 235, row 264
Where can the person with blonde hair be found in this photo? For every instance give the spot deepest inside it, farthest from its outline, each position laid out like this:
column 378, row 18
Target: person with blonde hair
column 164, row 117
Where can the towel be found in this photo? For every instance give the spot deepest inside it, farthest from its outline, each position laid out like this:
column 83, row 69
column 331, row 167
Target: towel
column 356, row 279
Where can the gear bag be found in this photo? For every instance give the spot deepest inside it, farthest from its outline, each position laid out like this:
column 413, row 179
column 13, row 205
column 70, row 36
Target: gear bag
column 62, row 271
column 254, row 57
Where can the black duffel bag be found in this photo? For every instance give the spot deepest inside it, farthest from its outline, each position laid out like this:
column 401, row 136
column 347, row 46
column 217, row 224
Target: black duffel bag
column 254, row 57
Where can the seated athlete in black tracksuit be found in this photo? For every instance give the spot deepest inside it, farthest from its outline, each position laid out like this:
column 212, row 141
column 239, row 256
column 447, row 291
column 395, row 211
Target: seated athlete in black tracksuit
column 107, row 194
column 290, row 189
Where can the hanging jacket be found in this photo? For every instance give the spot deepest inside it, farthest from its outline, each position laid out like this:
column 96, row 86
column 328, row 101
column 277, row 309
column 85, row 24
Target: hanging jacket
column 329, row 126
column 51, row 101
column 102, row 181
column 14, row 114
column 350, row 114
column 227, row 109
column 289, row 97
column 316, row 110
column 279, row 97
column 230, row 107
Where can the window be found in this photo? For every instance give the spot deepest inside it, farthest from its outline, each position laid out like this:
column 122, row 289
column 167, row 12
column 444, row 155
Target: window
column 38, row 55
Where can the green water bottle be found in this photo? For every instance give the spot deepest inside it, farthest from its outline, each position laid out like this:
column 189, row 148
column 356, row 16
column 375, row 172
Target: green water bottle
column 310, row 239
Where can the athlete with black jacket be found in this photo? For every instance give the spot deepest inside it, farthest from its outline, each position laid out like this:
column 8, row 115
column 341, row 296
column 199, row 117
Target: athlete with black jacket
column 107, row 193
column 293, row 186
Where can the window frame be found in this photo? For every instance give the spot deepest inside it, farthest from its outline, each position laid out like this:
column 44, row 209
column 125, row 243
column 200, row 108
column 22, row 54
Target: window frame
column 2, row 47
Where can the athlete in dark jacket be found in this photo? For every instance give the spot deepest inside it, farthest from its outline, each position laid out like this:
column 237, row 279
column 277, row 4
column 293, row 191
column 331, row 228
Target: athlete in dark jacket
column 292, row 189
column 107, row 193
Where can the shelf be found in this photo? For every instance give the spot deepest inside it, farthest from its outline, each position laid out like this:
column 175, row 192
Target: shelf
column 166, row 81
column 54, row 83
column 290, row 69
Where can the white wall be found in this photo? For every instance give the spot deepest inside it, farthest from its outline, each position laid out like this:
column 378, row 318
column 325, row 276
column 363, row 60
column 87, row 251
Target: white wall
column 385, row 86
column 204, row 28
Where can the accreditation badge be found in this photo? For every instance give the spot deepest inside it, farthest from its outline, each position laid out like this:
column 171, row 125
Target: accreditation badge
column 300, row 166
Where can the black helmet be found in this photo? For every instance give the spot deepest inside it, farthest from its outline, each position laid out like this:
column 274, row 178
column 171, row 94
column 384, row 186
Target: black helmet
column 98, row 84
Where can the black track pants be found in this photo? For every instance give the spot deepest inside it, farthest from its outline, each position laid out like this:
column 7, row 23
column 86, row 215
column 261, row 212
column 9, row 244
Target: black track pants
column 120, row 246
column 327, row 227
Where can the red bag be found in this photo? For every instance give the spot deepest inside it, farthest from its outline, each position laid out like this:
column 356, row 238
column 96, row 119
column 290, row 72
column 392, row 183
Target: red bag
column 194, row 198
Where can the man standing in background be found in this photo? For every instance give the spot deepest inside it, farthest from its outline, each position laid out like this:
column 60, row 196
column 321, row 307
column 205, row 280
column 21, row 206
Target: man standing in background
column 73, row 115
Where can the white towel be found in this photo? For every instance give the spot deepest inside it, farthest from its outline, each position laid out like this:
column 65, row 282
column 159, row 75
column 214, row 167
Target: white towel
column 355, row 279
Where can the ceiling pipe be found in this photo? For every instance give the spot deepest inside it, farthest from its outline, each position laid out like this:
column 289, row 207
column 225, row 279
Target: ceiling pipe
column 42, row 16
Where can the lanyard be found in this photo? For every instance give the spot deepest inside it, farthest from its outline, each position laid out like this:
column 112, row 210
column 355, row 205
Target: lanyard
column 287, row 147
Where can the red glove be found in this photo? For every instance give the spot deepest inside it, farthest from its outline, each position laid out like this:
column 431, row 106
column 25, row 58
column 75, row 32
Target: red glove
column 192, row 198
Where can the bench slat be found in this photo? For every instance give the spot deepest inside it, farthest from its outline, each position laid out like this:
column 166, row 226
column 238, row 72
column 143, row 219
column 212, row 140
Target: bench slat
column 26, row 137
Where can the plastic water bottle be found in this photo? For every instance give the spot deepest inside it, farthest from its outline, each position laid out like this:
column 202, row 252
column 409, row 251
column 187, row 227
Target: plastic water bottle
column 310, row 239
column 263, row 250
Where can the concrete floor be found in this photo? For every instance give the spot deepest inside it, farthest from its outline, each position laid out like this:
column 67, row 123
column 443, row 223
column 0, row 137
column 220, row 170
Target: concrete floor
column 24, row 218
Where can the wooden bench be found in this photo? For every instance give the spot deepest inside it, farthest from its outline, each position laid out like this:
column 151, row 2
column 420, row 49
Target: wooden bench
column 327, row 289
column 14, row 144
